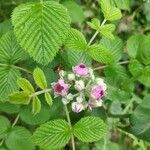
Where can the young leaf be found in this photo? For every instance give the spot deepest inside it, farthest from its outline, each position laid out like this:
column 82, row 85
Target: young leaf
column 8, row 81
column 19, row 98
column 94, row 24
column 100, row 54
column 41, row 28
column 90, row 129
column 115, row 46
column 106, row 30
column 36, row 105
column 39, row 78
column 19, row 138
column 48, row 99
column 10, row 50
column 75, row 40
column 53, row 134
column 4, row 126
column 25, row 85
column 110, row 13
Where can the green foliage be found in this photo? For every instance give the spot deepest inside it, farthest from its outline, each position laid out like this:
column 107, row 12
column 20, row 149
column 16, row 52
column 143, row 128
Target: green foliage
column 44, row 37
column 53, row 134
column 90, row 129
column 19, row 138
column 25, row 85
column 100, row 53
column 94, row 24
column 110, row 12
column 4, row 127
column 19, row 98
column 8, row 84
column 48, row 99
column 75, row 11
column 140, row 119
column 36, row 105
column 115, row 46
column 39, row 78
column 75, row 40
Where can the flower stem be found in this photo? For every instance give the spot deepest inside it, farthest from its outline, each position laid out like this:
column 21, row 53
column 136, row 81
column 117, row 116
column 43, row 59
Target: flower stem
column 15, row 121
column 96, row 33
column 69, row 121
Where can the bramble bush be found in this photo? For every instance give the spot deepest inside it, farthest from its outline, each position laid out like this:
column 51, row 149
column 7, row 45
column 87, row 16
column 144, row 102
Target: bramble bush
column 75, row 75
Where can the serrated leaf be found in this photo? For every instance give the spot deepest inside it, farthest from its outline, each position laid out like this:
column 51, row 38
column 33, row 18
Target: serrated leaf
column 8, row 81
column 19, row 98
column 19, row 138
column 115, row 46
column 36, row 105
column 41, row 28
column 110, row 13
column 75, row 11
column 25, row 85
column 48, row 99
column 75, row 40
column 39, row 78
column 4, row 126
column 90, row 129
column 10, row 50
column 100, row 54
column 53, row 134
column 140, row 120
column 106, row 30
column 94, row 24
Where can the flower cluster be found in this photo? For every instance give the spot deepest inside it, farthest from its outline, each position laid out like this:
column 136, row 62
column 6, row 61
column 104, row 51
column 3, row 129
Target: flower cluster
column 88, row 90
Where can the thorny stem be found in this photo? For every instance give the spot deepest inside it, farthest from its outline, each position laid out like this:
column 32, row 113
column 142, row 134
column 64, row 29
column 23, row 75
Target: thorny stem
column 120, row 63
column 17, row 67
column 96, row 33
column 69, row 121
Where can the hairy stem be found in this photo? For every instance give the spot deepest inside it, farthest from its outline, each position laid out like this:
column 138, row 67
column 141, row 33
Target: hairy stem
column 40, row 92
column 17, row 67
column 96, row 33
column 16, row 120
column 69, row 121
column 120, row 63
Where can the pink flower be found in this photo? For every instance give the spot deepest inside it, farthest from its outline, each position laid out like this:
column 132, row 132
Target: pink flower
column 98, row 92
column 81, row 70
column 94, row 103
column 77, row 107
column 60, row 88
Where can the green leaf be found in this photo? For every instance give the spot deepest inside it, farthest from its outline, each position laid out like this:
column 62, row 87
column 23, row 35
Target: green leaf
column 106, row 30
column 76, row 40
column 41, row 28
column 8, row 81
column 19, row 138
column 39, row 78
column 25, row 85
column 53, row 134
column 4, row 126
column 122, row 4
column 36, row 105
column 73, row 57
column 140, row 120
column 9, row 108
column 115, row 46
column 75, row 11
column 100, row 54
column 110, row 13
column 90, row 129
column 10, row 50
column 94, row 24
column 19, row 98
column 27, row 116
column 48, row 99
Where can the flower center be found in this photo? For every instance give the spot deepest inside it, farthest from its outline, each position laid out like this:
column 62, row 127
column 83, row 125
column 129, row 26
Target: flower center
column 82, row 66
column 59, row 88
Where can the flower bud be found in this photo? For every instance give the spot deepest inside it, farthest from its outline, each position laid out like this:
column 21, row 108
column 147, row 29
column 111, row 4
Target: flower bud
column 71, row 77
column 79, row 85
column 65, row 101
column 69, row 97
column 77, row 107
column 79, row 99
column 92, row 74
column 62, row 73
